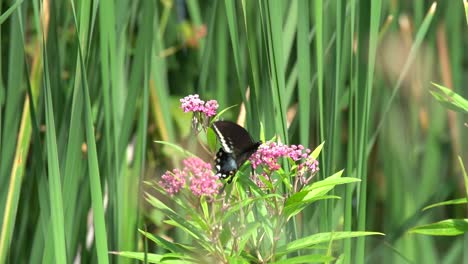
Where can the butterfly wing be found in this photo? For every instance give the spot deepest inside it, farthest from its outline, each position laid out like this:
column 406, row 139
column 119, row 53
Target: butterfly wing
column 226, row 165
column 236, row 147
column 233, row 138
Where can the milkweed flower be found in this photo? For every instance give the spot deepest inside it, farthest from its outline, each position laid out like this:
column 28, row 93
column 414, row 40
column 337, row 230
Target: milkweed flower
column 193, row 103
column 269, row 154
column 211, row 107
column 173, row 181
column 202, row 179
column 199, row 175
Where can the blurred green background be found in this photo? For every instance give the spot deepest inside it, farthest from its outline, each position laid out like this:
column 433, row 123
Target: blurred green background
column 86, row 87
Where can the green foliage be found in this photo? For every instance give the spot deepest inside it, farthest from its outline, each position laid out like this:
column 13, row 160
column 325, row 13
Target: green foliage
column 450, row 99
column 246, row 225
column 449, row 227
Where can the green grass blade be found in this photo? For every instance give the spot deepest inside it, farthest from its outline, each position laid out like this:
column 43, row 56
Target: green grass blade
column 95, row 181
column 303, row 61
column 273, row 11
column 55, row 186
column 93, row 165
column 10, row 11
column 376, row 9
column 465, row 4
column 350, row 155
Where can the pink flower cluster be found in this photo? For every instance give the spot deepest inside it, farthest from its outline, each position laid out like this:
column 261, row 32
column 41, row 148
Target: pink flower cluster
column 199, row 173
column 173, row 181
column 193, row 103
column 268, row 154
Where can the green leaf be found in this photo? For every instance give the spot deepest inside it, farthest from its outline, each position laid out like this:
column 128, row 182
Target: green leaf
column 170, row 246
column 449, row 202
column 312, row 258
column 315, row 239
column 156, row 258
column 10, row 10
column 449, row 227
column 465, row 4
column 247, row 232
column 55, row 185
column 217, row 116
column 450, row 99
column 465, row 176
column 295, row 207
column 211, row 139
column 182, row 223
column 178, row 148
column 317, row 151
column 152, row 258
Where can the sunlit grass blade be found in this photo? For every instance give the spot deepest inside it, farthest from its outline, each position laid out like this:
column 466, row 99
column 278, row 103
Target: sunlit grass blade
column 465, row 4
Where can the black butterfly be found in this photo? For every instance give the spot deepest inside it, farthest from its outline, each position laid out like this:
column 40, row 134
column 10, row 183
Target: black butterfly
column 236, row 147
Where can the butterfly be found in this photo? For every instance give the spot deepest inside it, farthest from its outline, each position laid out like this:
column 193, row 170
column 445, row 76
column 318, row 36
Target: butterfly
column 236, row 147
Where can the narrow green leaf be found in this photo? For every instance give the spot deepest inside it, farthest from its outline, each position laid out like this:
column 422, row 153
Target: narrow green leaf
column 451, row 99
column 312, row 258
column 55, row 185
column 315, row 239
column 449, row 227
column 152, row 258
column 93, row 163
column 211, row 139
column 316, row 152
column 465, row 4
column 274, row 22
column 172, row 247
column 295, row 207
column 10, row 10
column 191, row 229
column 173, row 258
column 174, row 146
column 465, row 176
column 303, row 61
column 449, row 202
column 375, row 15
column 218, row 115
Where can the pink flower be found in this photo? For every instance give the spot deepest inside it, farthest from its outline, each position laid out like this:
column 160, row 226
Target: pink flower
column 200, row 175
column 310, row 165
column 210, row 107
column 173, row 181
column 193, row 103
column 269, row 153
column 202, row 181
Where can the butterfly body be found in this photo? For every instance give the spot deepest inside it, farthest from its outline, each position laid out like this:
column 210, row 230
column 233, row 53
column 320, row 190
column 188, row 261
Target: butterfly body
column 236, row 147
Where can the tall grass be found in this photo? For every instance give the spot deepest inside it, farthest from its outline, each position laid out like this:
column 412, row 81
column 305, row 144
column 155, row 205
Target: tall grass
column 86, row 87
